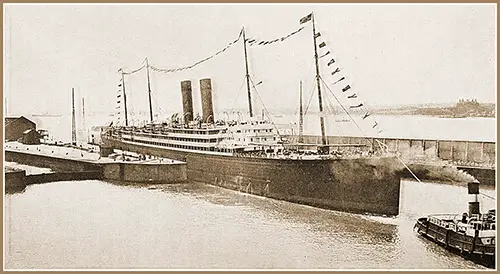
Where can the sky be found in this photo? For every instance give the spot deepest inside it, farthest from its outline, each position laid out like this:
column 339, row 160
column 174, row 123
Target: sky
column 388, row 54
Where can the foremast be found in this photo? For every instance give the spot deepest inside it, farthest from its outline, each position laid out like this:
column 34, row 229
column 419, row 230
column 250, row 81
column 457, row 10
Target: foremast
column 247, row 75
column 149, row 92
column 124, row 97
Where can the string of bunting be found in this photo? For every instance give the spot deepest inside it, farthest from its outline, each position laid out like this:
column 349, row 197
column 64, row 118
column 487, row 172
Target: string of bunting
column 118, row 100
column 200, row 61
column 134, row 71
column 255, row 42
column 119, row 92
column 338, row 78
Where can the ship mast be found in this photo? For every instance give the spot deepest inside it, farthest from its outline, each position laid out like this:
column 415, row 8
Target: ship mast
column 301, row 117
column 73, row 118
column 247, row 75
column 320, row 100
column 83, row 118
column 125, row 100
column 149, row 93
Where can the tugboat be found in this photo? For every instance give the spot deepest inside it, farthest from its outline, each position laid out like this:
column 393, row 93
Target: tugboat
column 472, row 234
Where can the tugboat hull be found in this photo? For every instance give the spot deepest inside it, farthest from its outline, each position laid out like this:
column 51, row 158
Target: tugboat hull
column 468, row 247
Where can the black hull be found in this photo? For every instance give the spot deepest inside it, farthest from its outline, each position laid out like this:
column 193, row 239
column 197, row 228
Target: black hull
column 368, row 185
column 460, row 244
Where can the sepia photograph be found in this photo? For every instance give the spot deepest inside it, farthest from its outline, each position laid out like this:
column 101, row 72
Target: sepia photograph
column 231, row 136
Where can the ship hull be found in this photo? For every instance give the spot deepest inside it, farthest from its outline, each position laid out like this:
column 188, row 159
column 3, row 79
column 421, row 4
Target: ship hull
column 466, row 246
column 367, row 185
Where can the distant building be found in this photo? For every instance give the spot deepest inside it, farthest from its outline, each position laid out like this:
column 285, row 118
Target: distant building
column 31, row 137
column 16, row 126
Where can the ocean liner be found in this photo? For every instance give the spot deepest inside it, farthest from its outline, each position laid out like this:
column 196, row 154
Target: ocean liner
column 250, row 156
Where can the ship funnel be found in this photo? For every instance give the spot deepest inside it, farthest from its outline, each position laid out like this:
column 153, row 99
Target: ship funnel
column 187, row 101
column 473, row 208
column 206, row 101
column 473, row 188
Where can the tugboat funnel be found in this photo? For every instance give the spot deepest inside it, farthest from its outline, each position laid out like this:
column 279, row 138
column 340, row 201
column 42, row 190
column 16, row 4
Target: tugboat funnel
column 473, row 208
column 473, row 188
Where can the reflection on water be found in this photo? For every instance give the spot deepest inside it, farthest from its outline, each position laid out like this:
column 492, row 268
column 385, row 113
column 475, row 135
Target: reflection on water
column 93, row 224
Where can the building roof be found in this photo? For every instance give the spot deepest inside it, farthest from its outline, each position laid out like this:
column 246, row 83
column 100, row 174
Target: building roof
column 9, row 120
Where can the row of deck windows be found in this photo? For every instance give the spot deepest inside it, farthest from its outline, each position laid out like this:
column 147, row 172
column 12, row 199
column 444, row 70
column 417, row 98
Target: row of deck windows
column 193, row 131
column 255, row 130
column 182, row 146
column 257, row 139
column 485, row 226
column 166, row 137
column 196, row 140
column 183, row 131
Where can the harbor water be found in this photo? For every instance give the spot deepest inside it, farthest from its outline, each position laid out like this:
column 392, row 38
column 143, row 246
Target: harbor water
column 94, row 224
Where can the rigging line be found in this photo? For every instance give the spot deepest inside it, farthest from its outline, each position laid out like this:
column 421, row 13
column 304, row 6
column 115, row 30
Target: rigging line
column 265, row 109
column 330, row 108
column 400, row 160
column 229, row 45
column 136, row 70
column 260, row 42
column 310, row 98
column 488, row 196
column 239, row 92
column 341, row 116
column 159, row 108
column 329, row 105
column 310, row 69
column 364, row 133
column 347, row 112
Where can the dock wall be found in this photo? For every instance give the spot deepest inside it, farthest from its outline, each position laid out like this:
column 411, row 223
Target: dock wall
column 63, row 176
column 52, row 162
column 15, row 180
column 460, row 152
column 72, row 169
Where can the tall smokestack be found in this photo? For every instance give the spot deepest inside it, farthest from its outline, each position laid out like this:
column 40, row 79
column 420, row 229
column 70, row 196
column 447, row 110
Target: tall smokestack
column 206, row 100
column 187, row 101
column 473, row 188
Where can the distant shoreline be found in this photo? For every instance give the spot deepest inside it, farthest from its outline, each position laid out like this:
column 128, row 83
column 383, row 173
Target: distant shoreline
column 401, row 113
column 463, row 109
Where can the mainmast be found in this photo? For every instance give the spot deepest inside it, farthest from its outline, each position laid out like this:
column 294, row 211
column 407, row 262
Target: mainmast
column 73, row 118
column 125, row 100
column 320, row 100
column 301, row 117
column 247, row 75
column 149, row 93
